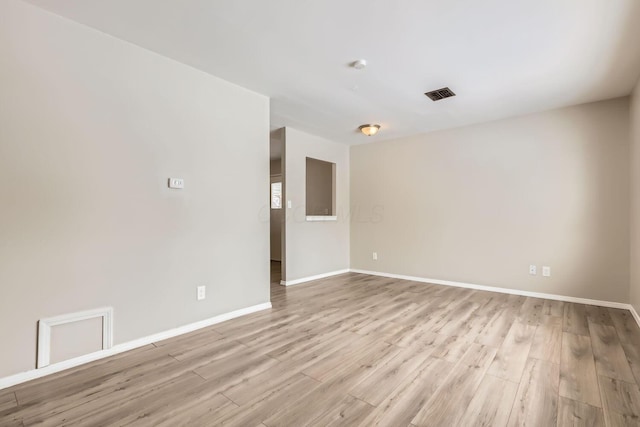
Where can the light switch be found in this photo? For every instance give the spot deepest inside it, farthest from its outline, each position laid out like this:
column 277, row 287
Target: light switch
column 177, row 183
column 289, row 204
column 546, row 271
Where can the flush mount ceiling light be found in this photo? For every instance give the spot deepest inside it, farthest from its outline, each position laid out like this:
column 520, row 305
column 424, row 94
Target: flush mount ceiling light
column 369, row 130
column 360, row 64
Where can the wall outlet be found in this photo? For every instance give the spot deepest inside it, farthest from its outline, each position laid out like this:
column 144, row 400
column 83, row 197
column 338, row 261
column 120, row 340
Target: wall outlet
column 546, row 271
column 533, row 270
column 177, row 183
column 375, row 256
column 202, row 292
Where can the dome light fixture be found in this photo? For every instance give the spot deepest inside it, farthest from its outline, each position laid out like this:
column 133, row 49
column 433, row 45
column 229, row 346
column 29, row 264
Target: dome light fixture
column 369, row 130
column 360, row 64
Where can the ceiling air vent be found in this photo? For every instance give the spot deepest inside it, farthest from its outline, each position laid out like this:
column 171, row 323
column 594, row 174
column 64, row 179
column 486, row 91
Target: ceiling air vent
column 437, row 95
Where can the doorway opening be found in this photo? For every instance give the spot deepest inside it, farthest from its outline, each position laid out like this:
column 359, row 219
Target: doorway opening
column 277, row 208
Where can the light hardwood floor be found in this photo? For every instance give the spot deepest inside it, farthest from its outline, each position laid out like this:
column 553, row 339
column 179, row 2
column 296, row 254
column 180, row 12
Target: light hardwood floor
column 362, row 350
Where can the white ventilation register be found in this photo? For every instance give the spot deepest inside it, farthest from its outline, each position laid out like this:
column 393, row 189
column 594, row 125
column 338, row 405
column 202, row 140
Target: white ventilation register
column 45, row 325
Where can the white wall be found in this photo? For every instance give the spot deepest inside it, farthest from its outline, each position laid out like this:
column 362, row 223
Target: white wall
column 479, row 204
column 635, row 197
column 91, row 128
column 314, row 247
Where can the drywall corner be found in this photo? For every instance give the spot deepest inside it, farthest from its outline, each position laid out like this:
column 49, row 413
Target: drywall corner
column 634, row 194
column 314, row 247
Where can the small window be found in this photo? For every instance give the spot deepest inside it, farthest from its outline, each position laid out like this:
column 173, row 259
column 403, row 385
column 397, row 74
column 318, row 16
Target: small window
column 276, row 195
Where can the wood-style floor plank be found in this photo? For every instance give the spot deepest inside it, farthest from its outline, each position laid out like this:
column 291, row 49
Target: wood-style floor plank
column 268, row 403
column 7, row 400
column 193, row 404
column 629, row 334
column 531, row 311
column 578, row 379
column 327, row 395
column 115, row 410
column 573, row 414
column 512, row 356
column 261, row 384
column 11, row 423
column 96, row 374
column 610, row 358
column 553, row 308
column 598, row 315
column 196, row 410
column 457, row 390
column 621, row 402
column 9, row 410
column 536, row 403
column 390, row 374
column 497, row 328
column 350, row 411
column 123, row 385
column 450, row 348
column 575, row 319
column 547, row 340
column 366, row 351
column 403, row 403
column 492, row 403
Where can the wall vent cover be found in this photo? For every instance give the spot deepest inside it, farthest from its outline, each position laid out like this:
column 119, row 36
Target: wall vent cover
column 437, row 95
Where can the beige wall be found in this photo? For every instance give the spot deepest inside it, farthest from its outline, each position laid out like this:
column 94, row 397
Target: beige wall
column 314, row 247
column 635, row 198
column 91, row 128
column 479, row 204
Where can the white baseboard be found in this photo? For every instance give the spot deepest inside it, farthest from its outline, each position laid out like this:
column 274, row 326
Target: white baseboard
column 609, row 304
column 130, row 345
column 310, row 278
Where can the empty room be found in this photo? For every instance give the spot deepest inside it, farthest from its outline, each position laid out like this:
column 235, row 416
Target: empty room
column 296, row 213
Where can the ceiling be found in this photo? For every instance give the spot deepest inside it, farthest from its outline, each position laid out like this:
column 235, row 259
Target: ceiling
column 501, row 57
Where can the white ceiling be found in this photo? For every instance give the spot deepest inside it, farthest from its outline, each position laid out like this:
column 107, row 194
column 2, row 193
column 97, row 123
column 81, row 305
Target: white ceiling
column 501, row 57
